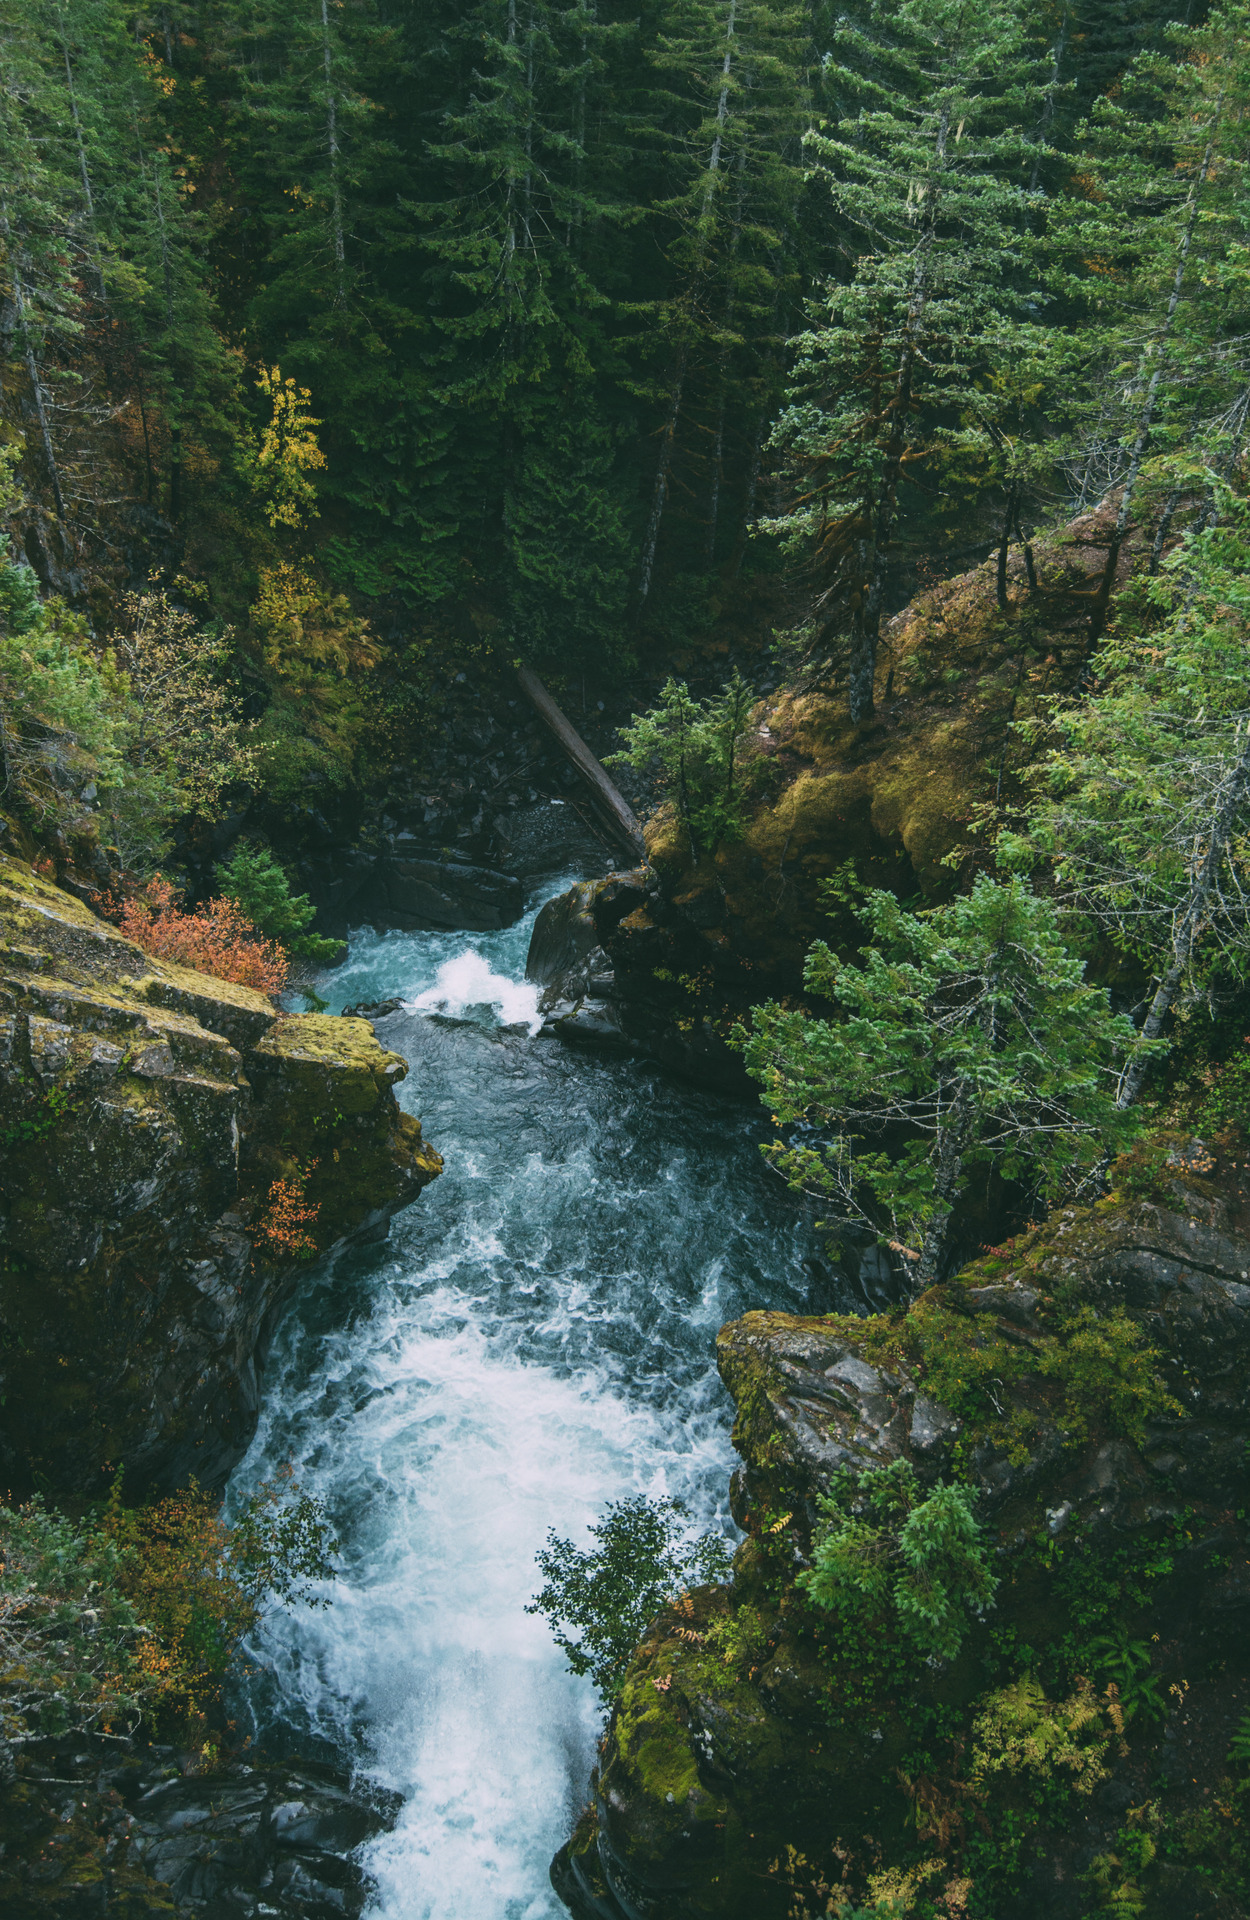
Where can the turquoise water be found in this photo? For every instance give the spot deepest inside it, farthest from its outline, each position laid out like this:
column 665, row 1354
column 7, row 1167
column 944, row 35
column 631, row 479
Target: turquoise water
column 535, row 1339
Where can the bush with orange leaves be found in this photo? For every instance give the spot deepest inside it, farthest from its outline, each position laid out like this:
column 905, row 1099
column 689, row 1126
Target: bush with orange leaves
column 217, row 939
column 283, row 1230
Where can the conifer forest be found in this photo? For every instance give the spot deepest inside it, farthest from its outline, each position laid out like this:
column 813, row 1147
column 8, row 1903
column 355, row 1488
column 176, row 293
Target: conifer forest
column 625, row 959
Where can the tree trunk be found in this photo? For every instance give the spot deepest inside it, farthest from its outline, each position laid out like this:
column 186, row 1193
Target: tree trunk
column 950, row 1163
column 1102, row 599
column 32, row 363
column 660, row 491
column 1009, row 520
column 866, row 622
column 659, row 496
column 332, row 146
column 1186, row 929
column 611, row 801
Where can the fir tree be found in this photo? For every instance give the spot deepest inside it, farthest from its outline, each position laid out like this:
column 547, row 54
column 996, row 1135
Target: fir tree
column 926, row 169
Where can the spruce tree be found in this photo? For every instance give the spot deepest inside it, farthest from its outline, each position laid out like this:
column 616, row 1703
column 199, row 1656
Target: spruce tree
column 1148, row 255
column 926, row 168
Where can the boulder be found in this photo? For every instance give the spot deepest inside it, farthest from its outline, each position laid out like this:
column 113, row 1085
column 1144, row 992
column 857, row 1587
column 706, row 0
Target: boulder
column 1088, row 1382
column 109, row 1827
column 422, row 891
column 148, row 1114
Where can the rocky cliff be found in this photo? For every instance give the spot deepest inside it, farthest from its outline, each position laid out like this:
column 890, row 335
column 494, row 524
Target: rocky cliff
column 147, row 1116
column 770, row 1756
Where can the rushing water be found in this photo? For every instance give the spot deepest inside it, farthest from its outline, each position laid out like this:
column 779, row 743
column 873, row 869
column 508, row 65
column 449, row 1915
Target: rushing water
column 535, row 1339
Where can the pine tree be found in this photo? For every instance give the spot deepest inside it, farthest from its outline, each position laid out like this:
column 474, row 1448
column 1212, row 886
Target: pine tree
column 970, row 1038
column 726, row 115
column 1149, row 257
column 926, row 170
column 1144, row 799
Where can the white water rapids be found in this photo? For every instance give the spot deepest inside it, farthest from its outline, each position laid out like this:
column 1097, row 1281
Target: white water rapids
column 535, row 1339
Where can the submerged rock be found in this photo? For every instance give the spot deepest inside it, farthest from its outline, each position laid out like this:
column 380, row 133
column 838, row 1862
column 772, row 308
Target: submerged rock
column 1090, row 1384
column 146, row 1114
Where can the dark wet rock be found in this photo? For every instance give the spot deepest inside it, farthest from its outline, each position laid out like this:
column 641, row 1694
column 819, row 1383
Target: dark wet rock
column 623, row 972
column 114, row 1830
column 711, row 1770
column 151, row 1111
column 421, row 890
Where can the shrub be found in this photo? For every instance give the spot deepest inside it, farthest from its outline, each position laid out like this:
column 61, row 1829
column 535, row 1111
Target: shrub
column 1022, row 1735
column 285, row 1227
column 139, row 1612
column 68, row 1632
column 199, row 1584
column 917, row 1566
column 217, row 939
column 260, row 889
column 611, row 1595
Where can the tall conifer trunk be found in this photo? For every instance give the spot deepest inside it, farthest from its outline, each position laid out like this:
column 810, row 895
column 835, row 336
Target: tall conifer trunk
column 883, row 511
column 332, row 148
column 1146, row 419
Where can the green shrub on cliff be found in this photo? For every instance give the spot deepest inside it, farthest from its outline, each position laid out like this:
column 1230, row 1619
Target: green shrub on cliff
column 256, row 883
column 138, row 1613
column 969, row 1037
column 610, row 1595
column 885, row 1555
column 68, row 1632
column 699, row 748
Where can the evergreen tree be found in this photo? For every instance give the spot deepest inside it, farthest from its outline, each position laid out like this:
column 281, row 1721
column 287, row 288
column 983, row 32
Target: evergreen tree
column 970, row 1037
column 926, row 169
column 727, row 113
column 1145, row 798
column 1149, row 256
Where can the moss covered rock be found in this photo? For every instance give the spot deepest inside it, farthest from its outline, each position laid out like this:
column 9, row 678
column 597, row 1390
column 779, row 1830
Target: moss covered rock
column 148, row 1116
column 768, row 1757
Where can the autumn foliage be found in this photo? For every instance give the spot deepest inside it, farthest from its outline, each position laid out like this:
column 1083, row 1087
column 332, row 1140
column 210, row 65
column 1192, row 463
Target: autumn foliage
column 217, row 939
column 200, row 1584
column 284, row 1228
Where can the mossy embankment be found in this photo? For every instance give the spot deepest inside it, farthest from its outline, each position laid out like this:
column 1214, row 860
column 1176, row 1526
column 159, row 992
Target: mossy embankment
column 157, row 1126
column 771, row 1756
column 903, row 799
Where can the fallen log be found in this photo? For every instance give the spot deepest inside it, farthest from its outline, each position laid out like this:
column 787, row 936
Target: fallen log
column 615, row 810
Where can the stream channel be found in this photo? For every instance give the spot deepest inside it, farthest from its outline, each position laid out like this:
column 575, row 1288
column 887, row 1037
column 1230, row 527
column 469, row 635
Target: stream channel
column 535, row 1339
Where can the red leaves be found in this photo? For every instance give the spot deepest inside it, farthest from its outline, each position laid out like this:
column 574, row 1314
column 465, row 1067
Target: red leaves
column 217, row 939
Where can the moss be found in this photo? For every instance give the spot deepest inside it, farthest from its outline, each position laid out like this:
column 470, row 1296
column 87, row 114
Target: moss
column 129, row 1299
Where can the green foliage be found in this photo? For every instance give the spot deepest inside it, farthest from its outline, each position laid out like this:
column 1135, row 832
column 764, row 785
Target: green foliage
column 741, row 1637
column 924, row 167
column 1127, row 1665
column 610, row 1594
column 42, row 1113
column 253, row 878
column 1239, row 1745
column 700, row 750
column 968, row 1037
column 909, row 1565
column 1142, row 800
column 1020, row 1734
column 63, row 709
column 199, row 1583
column 68, row 1632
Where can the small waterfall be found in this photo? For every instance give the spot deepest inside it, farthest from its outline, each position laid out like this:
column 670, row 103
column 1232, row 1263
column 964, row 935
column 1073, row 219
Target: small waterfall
column 535, row 1339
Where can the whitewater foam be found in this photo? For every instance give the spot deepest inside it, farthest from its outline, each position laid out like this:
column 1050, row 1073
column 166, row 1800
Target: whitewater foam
column 467, row 986
column 535, row 1341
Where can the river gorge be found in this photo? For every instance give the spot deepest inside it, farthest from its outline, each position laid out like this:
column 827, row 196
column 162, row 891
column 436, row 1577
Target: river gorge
column 534, row 1340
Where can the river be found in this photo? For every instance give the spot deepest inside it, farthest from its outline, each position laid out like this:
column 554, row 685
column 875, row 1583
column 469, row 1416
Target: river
column 535, row 1339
